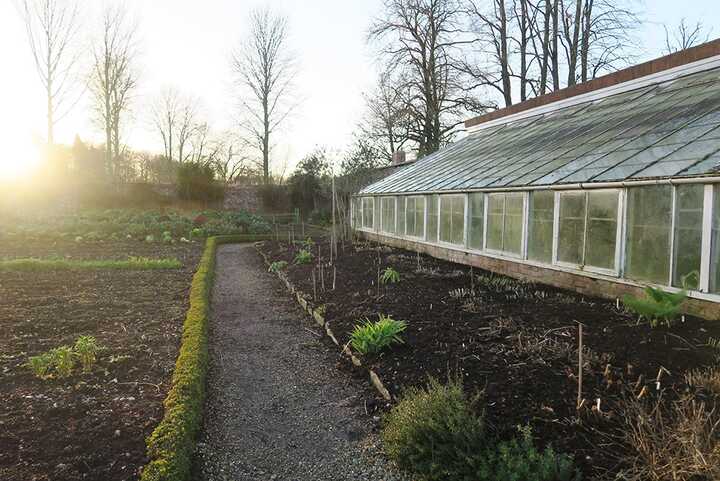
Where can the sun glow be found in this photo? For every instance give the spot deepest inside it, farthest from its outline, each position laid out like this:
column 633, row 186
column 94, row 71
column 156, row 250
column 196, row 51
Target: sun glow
column 20, row 157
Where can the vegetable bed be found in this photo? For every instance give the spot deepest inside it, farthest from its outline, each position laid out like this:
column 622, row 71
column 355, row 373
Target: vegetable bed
column 517, row 342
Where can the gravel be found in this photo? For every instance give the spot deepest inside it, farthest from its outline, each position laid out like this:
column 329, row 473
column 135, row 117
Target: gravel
column 277, row 407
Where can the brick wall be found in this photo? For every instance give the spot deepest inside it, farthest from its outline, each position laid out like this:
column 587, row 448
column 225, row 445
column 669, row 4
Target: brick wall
column 590, row 286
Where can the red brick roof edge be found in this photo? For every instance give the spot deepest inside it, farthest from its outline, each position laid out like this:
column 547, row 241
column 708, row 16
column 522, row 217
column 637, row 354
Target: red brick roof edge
column 677, row 59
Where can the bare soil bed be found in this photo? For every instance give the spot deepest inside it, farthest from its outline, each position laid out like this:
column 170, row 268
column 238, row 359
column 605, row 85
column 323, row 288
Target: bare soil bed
column 89, row 425
column 515, row 341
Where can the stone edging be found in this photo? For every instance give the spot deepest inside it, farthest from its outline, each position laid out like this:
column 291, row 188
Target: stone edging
column 319, row 318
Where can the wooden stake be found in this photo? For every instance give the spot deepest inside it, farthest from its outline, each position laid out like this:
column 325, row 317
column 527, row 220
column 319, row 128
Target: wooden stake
column 322, row 276
column 334, row 277
column 580, row 363
column 314, row 285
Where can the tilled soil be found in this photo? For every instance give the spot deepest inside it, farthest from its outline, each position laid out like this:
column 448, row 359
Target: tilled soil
column 89, row 426
column 277, row 406
column 515, row 342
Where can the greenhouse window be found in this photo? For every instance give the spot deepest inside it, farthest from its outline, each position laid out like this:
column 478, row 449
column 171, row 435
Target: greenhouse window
column 388, row 214
column 540, row 226
column 368, row 204
column 588, row 226
column 687, row 243
column 432, row 227
column 477, row 220
column 505, row 222
column 415, row 216
column 401, row 215
column 452, row 219
column 649, row 218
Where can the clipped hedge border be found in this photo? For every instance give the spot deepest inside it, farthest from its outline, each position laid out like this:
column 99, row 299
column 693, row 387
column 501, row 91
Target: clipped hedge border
column 171, row 445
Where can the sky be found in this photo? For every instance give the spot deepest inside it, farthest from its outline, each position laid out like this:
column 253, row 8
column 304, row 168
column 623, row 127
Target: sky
column 187, row 44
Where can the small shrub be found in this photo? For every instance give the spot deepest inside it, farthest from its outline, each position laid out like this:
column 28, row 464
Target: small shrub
column 277, row 266
column 658, row 307
column 434, row 431
column 390, row 276
column 86, row 348
column 519, row 459
column 150, row 239
column 63, row 360
column 303, row 257
column 41, row 364
column 372, row 337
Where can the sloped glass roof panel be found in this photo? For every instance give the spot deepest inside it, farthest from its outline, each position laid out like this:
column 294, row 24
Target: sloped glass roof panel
column 659, row 130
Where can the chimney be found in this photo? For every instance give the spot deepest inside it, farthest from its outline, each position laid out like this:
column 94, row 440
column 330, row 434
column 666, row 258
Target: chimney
column 398, row 157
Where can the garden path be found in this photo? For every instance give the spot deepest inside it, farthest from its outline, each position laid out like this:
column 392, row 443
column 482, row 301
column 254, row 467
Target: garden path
column 277, row 407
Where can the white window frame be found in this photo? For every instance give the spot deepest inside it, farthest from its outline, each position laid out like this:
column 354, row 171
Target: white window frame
column 465, row 210
column 618, row 232
column 382, row 214
column 423, row 237
column 523, row 234
column 362, row 213
column 706, row 253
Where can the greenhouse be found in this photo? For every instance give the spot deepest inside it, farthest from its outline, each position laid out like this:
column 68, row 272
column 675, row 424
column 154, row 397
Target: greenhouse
column 616, row 180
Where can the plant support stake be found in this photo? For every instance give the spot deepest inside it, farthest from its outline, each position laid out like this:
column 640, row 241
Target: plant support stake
column 580, row 363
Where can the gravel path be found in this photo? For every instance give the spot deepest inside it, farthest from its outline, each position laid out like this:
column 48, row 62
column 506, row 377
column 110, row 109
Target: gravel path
column 278, row 408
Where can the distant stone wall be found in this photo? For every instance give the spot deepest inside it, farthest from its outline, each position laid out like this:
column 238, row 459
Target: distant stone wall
column 240, row 197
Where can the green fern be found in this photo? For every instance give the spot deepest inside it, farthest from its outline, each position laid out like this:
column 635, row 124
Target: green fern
column 372, row 337
column 390, row 276
column 657, row 307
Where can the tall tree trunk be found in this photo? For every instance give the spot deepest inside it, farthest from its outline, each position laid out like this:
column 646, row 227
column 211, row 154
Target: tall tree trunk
column 574, row 43
column 503, row 54
column 585, row 43
column 544, row 63
column 555, row 51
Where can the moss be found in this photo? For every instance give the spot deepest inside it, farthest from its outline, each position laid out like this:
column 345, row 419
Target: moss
column 171, row 445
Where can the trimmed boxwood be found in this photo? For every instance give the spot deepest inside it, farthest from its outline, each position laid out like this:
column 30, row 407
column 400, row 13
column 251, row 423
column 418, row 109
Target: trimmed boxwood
column 171, row 445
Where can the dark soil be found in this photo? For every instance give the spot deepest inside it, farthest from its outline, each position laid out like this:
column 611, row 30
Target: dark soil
column 276, row 406
column 88, row 426
column 515, row 341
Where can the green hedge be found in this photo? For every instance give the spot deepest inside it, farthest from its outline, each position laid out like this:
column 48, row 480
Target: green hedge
column 172, row 444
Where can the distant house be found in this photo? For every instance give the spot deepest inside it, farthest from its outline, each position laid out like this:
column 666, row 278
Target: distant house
column 602, row 187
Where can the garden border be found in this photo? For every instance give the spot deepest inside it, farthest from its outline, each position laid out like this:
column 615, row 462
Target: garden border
column 171, row 445
column 318, row 316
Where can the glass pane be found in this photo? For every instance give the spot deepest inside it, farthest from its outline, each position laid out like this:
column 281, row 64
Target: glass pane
column 715, row 255
column 367, row 204
column 512, row 235
column 401, row 215
column 477, row 213
column 445, row 219
column 540, row 241
column 688, row 235
column 419, row 214
column 377, row 214
column 496, row 209
column 572, row 227
column 410, row 216
column 648, row 228
column 458, row 220
column 388, row 214
column 432, row 235
column 601, row 235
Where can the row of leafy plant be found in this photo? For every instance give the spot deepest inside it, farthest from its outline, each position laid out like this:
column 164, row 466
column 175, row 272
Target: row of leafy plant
column 150, row 226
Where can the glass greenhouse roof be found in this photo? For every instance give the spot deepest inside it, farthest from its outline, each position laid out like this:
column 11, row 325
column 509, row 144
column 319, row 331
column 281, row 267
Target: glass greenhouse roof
column 661, row 130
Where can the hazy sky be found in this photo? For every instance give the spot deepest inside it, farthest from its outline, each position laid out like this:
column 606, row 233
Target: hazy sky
column 186, row 44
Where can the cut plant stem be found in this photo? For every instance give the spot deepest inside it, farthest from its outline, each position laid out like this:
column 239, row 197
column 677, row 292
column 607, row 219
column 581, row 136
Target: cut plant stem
column 580, row 363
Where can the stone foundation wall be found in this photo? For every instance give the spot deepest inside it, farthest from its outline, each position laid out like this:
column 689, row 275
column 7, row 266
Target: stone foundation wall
column 591, row 286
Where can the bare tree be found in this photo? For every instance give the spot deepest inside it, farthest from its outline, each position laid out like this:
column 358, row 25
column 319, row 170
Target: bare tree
column 387, row 122
column 684, row 36
column 52, row 27
column 164, row 119
column 186, row 125
column 422, row 40
column 265, row 70
column 113, row 79
column 174, row 117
